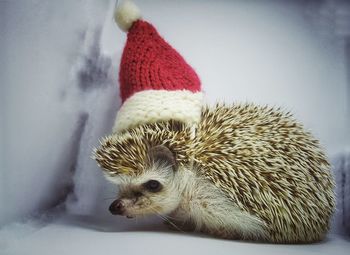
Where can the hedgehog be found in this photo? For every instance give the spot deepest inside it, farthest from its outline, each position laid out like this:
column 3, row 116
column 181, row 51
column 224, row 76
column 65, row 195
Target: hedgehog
column 244, row 172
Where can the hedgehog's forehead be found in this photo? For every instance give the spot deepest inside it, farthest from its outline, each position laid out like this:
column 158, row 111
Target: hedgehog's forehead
column 155, row 172
column 123, row 179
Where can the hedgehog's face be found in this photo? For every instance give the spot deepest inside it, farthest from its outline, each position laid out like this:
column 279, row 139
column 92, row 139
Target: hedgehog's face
column 155, row 191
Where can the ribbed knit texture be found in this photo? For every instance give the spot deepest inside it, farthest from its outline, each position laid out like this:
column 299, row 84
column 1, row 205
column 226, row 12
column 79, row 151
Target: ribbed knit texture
column 150, row 106
column 150, row 63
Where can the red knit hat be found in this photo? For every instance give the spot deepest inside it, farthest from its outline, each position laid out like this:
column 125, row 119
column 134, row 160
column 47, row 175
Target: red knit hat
column 156, row 83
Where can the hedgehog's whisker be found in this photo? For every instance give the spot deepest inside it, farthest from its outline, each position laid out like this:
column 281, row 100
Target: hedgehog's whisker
column 107, row 198
column 169, row 217
column 165, row 218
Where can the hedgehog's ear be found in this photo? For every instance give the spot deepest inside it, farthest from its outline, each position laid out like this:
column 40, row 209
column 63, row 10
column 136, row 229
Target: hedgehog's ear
column 162, row 155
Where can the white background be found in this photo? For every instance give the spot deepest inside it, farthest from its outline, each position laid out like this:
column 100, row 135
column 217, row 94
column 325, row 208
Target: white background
column 59, row 94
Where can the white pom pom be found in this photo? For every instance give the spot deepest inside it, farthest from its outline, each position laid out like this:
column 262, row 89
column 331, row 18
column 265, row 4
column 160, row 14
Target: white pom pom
column 126, row 14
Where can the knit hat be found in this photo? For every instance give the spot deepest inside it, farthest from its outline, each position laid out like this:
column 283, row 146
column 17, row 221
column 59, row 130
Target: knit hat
column 156, row 83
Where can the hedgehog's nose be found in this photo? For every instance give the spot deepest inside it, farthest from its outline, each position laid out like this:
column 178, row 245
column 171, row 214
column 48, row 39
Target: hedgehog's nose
column 117, row 207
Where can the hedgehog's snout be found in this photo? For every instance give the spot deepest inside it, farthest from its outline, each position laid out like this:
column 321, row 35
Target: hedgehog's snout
column 117, row 207
column 122, row 207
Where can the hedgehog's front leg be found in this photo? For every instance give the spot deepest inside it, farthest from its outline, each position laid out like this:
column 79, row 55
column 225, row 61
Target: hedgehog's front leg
column 212, row 212
column 220, row 218
column 175, row 221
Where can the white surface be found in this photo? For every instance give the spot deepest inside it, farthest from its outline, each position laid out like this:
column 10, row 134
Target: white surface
column 58, row 80
column 74, row 235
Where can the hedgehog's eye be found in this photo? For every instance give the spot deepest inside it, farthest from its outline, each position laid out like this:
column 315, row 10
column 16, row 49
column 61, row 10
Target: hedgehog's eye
column 153, row 186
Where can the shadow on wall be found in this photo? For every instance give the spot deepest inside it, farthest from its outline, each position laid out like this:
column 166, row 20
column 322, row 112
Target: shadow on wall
column 94, row 76
column 341, row 170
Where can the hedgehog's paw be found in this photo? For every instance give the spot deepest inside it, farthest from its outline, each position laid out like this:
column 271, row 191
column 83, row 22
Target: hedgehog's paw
column 177, row 225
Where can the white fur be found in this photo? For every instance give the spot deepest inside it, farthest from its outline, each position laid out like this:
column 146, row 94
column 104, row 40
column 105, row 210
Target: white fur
column 126, row 14
column 205, row 207
column 150, row 203
column 156, row 172
column 193, row 201
column 159, row 105
column 118, row 179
